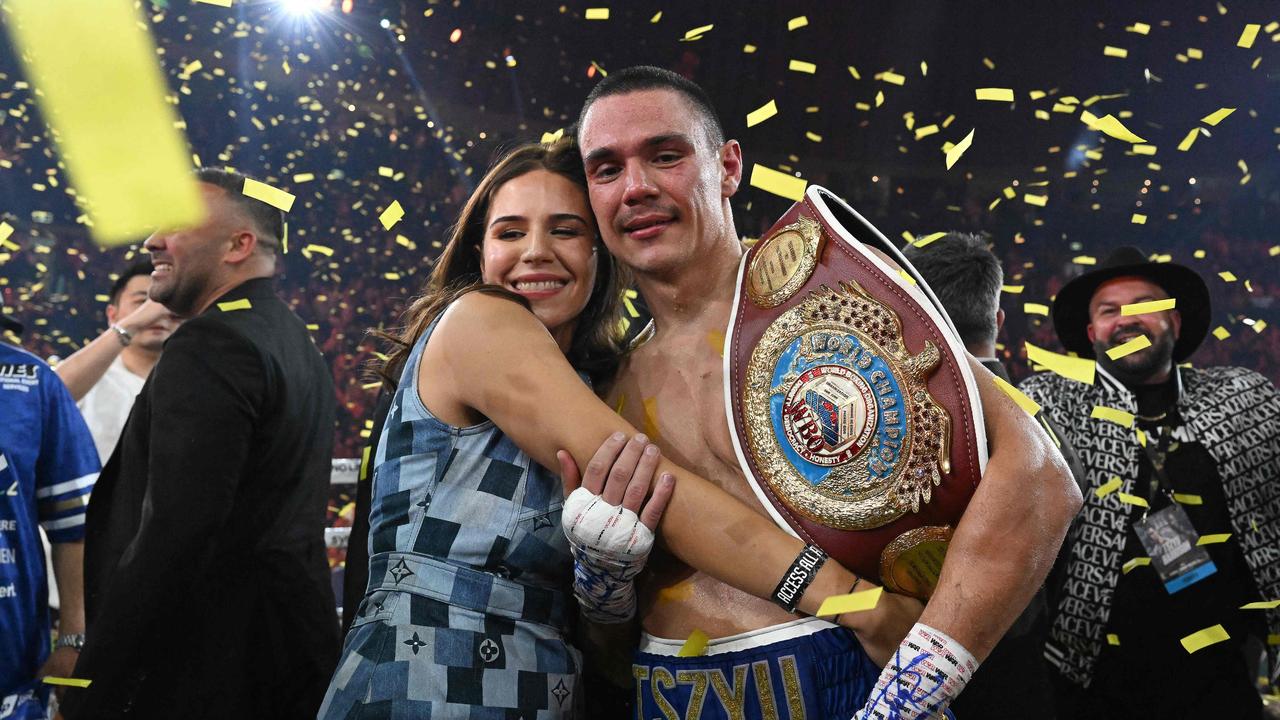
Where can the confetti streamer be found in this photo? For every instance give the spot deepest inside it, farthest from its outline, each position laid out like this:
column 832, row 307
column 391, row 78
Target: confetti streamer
column 959, row 149
column 1037, row 200
column 596, row 14
column 778, row 183
column 796, row 23
column 1139, row 343
column 1217, row 116
column 102, row 92
column 1204, row 638
column 1031, row 407
column 1108, row 487
column 1262, row 605
column 1035, row 309
column 1113, row 639
column 1188, row 499
column 860, row 601
column 802, row 66
column 1078, row 369
column 65, row 681
column 1189, row 140
column 995, row 94
column 694, row 646
column 1128, row 499
column 1110, row 414
column 925, row 240
column 233, row 305
column 219, row 3
column 1115, row 52
column 1249, row 34
column 762, row 113
column 1135, row 563
column 1214, row 539
column 274, row 197
column 391, row 215
column 1151, row 306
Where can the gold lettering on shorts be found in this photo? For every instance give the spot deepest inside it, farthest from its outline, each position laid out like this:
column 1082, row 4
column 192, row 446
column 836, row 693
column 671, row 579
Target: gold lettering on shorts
column 734, row 699
column 698, row 678
column 764, row 690
column 640, row 673
column 791, row 684
column 662, row 676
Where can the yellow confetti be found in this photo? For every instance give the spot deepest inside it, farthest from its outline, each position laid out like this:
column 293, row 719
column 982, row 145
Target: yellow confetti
column 1113, row 639
column 1031, row 407
column 651, row 419
column 1132, row 563
column 748, row 48
column 1111, row 126
column 656, row 17
column 1143, row 149
column 241, row 304
column 1078, row 369
column 1217, row 116
column 812, row 136
column 802, row 66
column 326, row 251
column 1214, row 539
column 694, row 646
column 1084, row 260
column 76, row 682
column 1035, row 309
column 1013, row 289
column 762, row 113
column 1151, row 306
column 391, row 215
column 1188, row 499
column 879, row 98
column 854, row 72
column 715, row 339
column 988, row 63
column 274, row 197
column 597, row 14
column 892, row 77
column 219, row 3
column 994, row 93
column 304, row 177
column 778, row 183
column 1113, row 51
column 1189, row 140
column 1204, row 638
column 860, row 601
column 1249, row 34
column 796, row 23
column 680, row 591
column 1110, row 414
column 1138, row 219
column 1108, row 487
column 959, row 149
column 190, row 69
column 1128, row 499
column 1221, row 333
column 102, row 92
column 1037, row 200
column 926, row 131
column 1195, row 53
column 1139, row 343
column 698, row 32
column 1262, row 605
column 5, row 231
column 1227, row 276
column 925, row 240
column 1139, row 28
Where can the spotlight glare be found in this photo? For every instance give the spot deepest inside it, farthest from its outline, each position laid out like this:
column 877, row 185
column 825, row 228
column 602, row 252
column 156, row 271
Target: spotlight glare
column 300, row 8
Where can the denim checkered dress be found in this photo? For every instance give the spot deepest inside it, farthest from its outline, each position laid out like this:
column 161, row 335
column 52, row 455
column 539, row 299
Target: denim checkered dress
column 469, row 598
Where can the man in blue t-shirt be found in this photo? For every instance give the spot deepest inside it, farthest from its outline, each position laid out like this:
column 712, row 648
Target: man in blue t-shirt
column 48, row 465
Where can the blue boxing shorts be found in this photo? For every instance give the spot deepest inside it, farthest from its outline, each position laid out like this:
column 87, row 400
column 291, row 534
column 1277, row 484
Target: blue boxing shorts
column 807, row 668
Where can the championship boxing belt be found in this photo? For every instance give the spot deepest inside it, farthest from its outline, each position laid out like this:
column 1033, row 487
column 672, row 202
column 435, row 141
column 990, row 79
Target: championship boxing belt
column 854, row 412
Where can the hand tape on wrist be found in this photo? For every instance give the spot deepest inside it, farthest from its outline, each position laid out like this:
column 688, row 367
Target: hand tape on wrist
column 797, row 577
column 610, row 547
column 926, row 673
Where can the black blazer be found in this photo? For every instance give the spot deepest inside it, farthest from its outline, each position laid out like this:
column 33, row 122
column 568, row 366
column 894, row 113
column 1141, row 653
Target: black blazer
column 206, row 583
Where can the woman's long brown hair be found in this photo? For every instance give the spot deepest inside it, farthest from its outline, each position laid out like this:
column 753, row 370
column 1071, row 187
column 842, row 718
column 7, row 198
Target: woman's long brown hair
column 596, row 347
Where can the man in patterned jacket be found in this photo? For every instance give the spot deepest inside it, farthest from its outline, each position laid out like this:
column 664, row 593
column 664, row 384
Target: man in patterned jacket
column 1181, row 526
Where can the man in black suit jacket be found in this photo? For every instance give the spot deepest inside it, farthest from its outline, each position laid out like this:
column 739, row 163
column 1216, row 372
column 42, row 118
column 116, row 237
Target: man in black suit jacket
column 967, row 278
column 207, row 586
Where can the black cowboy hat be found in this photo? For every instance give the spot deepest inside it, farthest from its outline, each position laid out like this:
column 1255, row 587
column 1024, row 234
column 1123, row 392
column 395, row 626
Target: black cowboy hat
column 1071, row 307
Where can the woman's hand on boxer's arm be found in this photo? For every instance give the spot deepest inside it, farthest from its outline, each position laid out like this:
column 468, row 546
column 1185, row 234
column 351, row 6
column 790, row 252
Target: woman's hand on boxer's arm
column 610, row 525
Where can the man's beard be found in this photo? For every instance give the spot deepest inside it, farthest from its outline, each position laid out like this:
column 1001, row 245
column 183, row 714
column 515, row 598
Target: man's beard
column 181, row 294
column 1137, row 368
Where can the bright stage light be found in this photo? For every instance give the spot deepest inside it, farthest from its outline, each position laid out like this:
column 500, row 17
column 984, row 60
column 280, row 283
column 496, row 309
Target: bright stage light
column 305, row 7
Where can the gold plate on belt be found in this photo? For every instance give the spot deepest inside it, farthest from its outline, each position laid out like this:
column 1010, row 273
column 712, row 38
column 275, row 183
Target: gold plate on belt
column 838, row 414
column 784, row 263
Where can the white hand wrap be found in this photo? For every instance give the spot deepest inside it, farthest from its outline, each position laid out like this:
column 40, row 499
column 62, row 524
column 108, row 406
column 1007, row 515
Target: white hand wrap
column 610, row 547
column 926, row 673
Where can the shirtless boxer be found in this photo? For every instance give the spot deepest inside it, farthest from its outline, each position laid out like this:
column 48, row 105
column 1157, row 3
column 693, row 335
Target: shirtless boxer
column 660, row 176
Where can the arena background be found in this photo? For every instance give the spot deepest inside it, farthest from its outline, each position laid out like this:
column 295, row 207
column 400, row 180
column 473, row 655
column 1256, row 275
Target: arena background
column 354, row 104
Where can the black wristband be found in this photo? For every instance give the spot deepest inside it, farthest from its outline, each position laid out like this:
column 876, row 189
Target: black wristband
column 802, row 572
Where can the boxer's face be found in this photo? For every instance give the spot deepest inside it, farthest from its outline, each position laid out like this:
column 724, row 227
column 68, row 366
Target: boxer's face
column 187, row 261
column 1108, row 328
column 540, row 242
column 657, row 184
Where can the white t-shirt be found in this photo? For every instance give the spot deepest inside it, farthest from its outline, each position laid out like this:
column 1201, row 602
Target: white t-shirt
column 107, row 404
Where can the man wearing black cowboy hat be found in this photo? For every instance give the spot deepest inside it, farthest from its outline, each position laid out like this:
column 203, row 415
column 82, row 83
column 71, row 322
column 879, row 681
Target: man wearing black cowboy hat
column 1181, row 526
